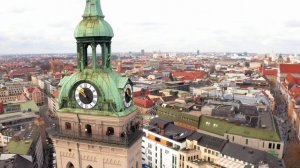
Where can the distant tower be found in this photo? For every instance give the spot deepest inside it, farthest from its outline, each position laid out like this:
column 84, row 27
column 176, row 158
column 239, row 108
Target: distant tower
column 280, row 59
column 142, row 52
column 98, row 122
column 288, row 60
column 119, row 65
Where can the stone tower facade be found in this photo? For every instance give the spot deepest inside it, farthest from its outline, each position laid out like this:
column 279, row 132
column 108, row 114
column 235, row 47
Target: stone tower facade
column 98, row 122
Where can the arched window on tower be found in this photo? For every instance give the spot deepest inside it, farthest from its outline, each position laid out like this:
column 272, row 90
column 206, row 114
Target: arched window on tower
column 70, row 165
column 99, row 55
column 89, row 56
column 89, row 166
column 68, row 126
column 88, row 129
column 110, row 131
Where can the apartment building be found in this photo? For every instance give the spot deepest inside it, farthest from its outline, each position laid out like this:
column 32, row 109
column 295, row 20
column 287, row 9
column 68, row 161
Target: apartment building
column 167, row 145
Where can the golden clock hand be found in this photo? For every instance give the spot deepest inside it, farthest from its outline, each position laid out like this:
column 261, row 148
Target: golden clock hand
column 81, row 91
column 128, row 93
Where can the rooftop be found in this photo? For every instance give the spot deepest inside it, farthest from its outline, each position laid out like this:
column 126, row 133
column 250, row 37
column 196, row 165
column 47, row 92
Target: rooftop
column 15, row 161
column 250, row 155
column 289, row 68
column 212, row 142
column 29, row 105
column 220, row 127
column 19, row 147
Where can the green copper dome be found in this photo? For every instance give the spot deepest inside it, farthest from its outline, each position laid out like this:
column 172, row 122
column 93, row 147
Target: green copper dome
column 110, row 86
column 93, row 23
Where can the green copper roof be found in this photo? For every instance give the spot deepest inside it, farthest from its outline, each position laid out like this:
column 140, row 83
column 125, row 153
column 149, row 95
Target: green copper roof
column 220, row 127
column 29, row 105
column 93, row 23
column 19, row 147
column 109, row 84
column 93, row 9
column 176, row 115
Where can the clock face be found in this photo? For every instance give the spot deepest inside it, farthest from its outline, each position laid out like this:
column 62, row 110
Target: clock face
column 86, row 95
column 127, row 95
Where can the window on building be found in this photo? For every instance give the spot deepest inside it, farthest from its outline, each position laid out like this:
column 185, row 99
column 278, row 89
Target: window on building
column 278, row 146
column 70, row 165
column 270, row 145
column 212, row 152
column 89, row 166
column 205, row 150
column 198, row 148
column 208, row 151
column 136, row 164
column 150, row 146
column 110, row 131
column 232, row 138
column 246, row 141
column 68, row 126
column 88, row 129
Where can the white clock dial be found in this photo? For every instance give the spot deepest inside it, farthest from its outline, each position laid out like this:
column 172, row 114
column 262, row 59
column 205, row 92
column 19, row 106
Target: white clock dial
column 86, row 95
column 128, row 95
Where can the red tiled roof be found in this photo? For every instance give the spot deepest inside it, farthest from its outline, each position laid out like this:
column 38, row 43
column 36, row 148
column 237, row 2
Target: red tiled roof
column 292, row 79
column 189, row 75
column 269, row 72
column 143, row 102
column 30, row 89
column 295, row 91
column 289, row 68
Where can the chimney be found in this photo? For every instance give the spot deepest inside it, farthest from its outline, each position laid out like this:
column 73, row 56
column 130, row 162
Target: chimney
column 161, row 129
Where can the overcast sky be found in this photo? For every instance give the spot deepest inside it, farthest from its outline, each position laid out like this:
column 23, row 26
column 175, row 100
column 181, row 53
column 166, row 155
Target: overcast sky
column 43, row 26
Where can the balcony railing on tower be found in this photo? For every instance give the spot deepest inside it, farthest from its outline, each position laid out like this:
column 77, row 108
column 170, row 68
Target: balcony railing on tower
column 125, row 139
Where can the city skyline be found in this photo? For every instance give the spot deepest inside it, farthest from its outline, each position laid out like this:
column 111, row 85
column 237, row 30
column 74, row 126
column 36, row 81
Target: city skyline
column 230, row 26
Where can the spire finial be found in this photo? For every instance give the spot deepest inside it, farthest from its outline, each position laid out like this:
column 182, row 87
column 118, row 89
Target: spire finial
column 93, row 9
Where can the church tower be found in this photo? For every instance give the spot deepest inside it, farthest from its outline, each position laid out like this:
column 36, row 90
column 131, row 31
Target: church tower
column 98, row 122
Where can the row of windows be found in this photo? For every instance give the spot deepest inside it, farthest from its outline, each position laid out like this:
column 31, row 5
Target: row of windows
column 211, row 152
column 271, row 145
column 88, row 129
column 191, row 158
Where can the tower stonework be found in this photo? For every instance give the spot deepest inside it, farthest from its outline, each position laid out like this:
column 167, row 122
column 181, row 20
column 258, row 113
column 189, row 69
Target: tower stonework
column 98, row 122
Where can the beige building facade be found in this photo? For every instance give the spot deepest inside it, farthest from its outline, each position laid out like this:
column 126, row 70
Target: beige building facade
column 97, row 141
